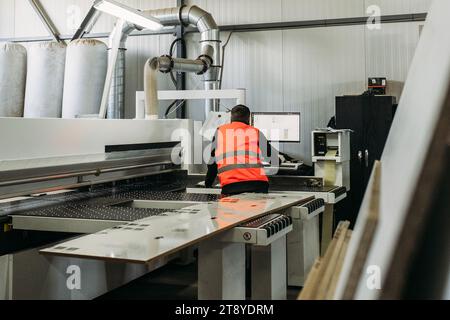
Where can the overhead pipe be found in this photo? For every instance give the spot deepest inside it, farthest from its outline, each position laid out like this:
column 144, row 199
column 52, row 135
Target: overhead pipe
column 116, row 100
column 166, row 64
column 208, row 63
column 115, row 81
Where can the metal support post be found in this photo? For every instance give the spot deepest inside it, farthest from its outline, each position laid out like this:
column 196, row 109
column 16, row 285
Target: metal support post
column 37, row 6
column 327, row 228
column 269, row 271
column 303, row 248
column 221, row 270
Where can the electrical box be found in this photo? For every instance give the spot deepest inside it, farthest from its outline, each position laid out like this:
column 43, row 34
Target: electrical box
column 377, row 85
column 331, row 156
column 331, row 145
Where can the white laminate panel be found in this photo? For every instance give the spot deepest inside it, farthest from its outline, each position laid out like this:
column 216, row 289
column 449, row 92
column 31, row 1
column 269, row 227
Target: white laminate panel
column 148, row 239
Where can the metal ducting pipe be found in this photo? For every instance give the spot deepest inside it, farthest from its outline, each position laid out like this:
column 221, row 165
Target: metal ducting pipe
column 210, row 44
column 166, row 64
column 187, row 15
column 116, row 100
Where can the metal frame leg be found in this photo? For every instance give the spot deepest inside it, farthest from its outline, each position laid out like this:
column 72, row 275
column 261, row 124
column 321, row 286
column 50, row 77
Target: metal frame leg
column 6, row 277
column 28, row 275
column 327, row 228
column 221, row 271
column 303, row 248
column 269, row 281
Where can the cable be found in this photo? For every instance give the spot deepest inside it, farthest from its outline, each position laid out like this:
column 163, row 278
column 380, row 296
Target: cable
column 176, row 108
column 224, row 107
column 223, row 62
column 172, row 76
column 170, row 107
column 171, row 52
column 223, row 59
column 168, row 112
column 174, row 81
column 172, row 46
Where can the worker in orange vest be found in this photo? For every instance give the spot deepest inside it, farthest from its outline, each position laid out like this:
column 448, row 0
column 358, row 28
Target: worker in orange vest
column 238, row 151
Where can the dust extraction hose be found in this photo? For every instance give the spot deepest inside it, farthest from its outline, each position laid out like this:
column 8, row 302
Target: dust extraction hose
column 151, row 89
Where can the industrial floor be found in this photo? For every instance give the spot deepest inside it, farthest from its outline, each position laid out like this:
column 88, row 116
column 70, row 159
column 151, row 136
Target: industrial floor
column 172, row 282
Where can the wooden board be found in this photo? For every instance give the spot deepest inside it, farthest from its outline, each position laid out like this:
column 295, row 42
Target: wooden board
column 321, row 281
column 330, row 260
column 340, row 262
column 311, row 282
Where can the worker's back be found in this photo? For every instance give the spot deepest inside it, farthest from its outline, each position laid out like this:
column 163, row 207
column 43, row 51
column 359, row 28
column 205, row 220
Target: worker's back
column 238, row 155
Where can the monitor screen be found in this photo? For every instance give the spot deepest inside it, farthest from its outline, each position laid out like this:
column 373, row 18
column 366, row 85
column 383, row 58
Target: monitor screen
column 280, row 127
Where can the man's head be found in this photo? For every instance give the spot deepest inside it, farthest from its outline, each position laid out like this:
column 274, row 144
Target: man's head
column 240, row 113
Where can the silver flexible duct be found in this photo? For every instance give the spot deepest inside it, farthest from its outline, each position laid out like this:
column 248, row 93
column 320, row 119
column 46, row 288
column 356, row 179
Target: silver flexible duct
column 116, row 100
column 209, row 41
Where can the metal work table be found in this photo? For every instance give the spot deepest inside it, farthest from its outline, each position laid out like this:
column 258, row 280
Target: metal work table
column 176, row 231
column 306, row 185
column 137, row 224
column 294, row 185
column 88, row 212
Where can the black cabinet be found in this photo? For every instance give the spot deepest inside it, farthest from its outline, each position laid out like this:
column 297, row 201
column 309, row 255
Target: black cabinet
column 370, row 117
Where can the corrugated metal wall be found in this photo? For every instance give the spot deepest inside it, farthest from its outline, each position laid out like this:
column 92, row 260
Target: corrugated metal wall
column 293, row 70
column 304, row 70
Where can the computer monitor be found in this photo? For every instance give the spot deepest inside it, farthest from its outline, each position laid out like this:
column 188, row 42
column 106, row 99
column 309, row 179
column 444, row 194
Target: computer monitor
column 278, row 126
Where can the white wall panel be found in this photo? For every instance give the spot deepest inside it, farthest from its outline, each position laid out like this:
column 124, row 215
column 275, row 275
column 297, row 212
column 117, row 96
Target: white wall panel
column 66, row 14
column 321, row 9
column 389, row 52
column 156, row 4
column 6, row 18
column 320, row 64
column 249, row 11
column 253, row 11
column 253, row 61
column 389, row 7
column 26, row 22
column 241, row 12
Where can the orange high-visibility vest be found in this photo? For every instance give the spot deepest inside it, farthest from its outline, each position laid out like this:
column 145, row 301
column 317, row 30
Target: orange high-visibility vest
column 238, row 154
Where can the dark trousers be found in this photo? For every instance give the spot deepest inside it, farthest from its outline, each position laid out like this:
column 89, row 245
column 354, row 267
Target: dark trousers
column 246, row 187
